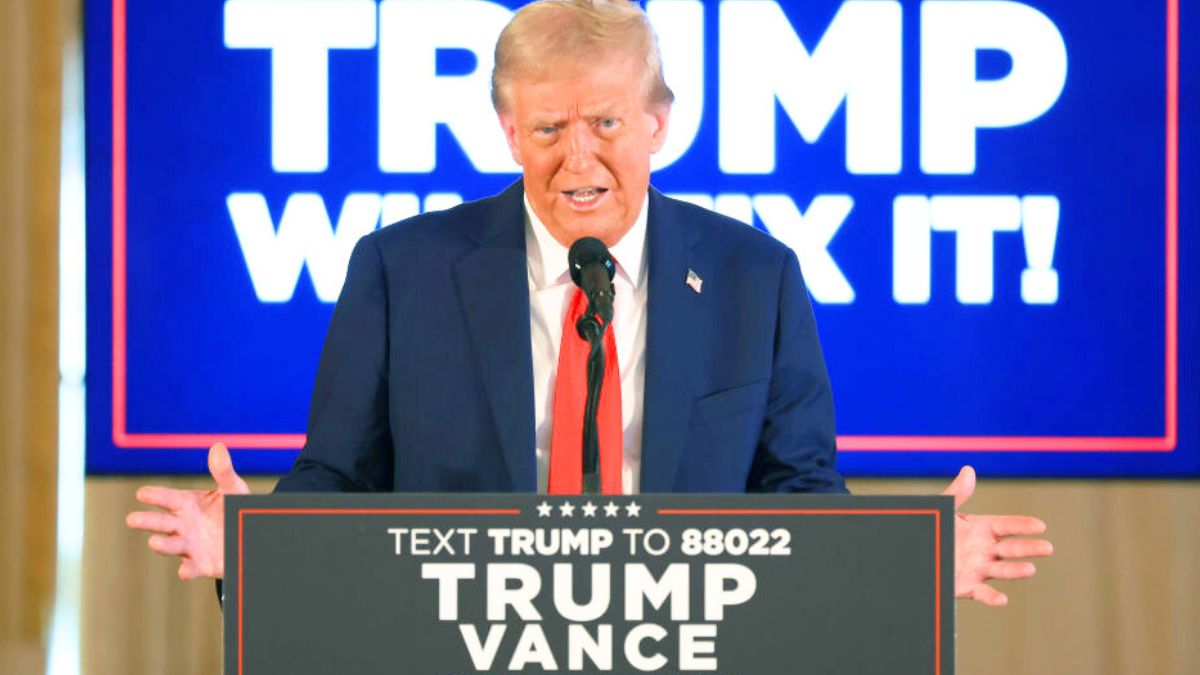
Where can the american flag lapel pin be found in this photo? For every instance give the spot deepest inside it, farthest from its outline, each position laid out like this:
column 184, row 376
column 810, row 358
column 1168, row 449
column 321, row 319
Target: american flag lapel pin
column 694, row 281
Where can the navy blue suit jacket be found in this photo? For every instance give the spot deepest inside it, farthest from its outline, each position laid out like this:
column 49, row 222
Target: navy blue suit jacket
column 425, row 382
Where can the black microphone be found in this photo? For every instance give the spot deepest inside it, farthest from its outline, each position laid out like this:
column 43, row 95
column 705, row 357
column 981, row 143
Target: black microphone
column 592, row 269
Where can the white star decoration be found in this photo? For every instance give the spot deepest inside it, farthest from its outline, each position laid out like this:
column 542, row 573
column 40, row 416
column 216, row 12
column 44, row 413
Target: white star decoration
column 589, row 509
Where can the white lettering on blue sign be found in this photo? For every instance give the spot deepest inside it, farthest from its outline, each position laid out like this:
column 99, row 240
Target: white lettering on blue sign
column 954, row 103
column 855, row 65
column 858, row 61
column 299, row 34
column 974, row 220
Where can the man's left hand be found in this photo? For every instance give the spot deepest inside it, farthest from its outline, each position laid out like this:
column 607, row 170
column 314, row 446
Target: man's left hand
column 989, row 547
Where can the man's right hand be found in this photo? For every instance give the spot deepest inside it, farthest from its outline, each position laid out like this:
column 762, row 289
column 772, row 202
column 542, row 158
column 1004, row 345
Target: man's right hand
column 191, row 524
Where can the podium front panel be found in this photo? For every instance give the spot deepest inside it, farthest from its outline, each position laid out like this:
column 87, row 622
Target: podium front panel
column 448, row 584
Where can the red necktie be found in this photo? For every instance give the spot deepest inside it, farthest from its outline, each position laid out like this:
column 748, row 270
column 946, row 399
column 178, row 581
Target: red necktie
column 570, row 395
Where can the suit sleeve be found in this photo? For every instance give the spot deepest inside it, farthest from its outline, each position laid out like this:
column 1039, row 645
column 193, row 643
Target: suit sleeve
column 798, row 445
column 349, row 447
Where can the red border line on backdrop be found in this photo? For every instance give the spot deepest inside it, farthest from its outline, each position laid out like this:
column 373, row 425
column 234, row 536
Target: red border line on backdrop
column 937, row 547
column 382, row 512
column 122, row 438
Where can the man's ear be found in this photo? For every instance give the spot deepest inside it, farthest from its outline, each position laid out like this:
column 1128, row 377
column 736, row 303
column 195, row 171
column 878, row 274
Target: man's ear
column 509, row 125
column 662, row 122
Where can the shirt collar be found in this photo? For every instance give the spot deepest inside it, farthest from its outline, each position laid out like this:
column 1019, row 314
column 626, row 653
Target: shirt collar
column 548, row 258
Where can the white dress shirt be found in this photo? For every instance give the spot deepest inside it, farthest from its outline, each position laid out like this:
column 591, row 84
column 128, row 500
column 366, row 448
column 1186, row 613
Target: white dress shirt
column 550, row 291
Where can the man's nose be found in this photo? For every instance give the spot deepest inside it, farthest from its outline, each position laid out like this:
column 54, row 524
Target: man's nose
column 581, row 148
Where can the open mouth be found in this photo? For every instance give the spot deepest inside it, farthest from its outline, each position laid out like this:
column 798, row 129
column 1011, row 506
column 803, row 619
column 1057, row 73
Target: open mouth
column 585, row 195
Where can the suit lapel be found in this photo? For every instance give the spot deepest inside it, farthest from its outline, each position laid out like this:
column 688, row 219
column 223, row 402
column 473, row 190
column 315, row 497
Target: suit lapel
column 493, row 288
column 671, row 353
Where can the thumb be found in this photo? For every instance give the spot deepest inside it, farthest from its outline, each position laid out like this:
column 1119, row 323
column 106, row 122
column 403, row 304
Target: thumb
column 963, row 486
column 220, row 465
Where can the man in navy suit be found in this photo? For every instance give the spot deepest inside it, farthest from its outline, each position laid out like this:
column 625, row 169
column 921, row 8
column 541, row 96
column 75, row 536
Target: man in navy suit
column 439, row 369
column 736, row 395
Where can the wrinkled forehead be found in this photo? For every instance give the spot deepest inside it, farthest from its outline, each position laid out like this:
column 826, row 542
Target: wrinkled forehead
column 624, row 62
column 613, row 80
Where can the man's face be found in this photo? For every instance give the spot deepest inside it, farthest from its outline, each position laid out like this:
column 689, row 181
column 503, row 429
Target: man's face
column 584, row 140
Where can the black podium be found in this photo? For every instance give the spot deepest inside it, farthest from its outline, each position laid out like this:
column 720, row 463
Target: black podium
column 439, row 584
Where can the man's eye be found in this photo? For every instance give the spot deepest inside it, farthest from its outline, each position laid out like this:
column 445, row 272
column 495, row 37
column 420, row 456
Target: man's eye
column 608, row 123
column 546, row 131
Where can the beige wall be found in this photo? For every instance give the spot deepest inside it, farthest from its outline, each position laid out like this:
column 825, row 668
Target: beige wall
column 1119, row 597
column 30, row 64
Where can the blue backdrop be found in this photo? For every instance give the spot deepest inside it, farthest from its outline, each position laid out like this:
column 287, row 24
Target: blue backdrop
column 921, row 173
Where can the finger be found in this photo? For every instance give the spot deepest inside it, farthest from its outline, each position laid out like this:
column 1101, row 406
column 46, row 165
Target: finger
column 189, row 569
column 962, row 487
column 153, row 521
column 1011, row 570
column 1003, row 526
column 167, row 545
column 163, row 498
column 220, row 465
column 1024, row 548
column 989, row 596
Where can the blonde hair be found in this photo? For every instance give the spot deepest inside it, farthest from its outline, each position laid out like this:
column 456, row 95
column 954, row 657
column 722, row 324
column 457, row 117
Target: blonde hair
column 543, row 33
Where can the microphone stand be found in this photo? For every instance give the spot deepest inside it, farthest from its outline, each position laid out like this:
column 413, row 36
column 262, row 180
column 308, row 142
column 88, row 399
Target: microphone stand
column 591, row 327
